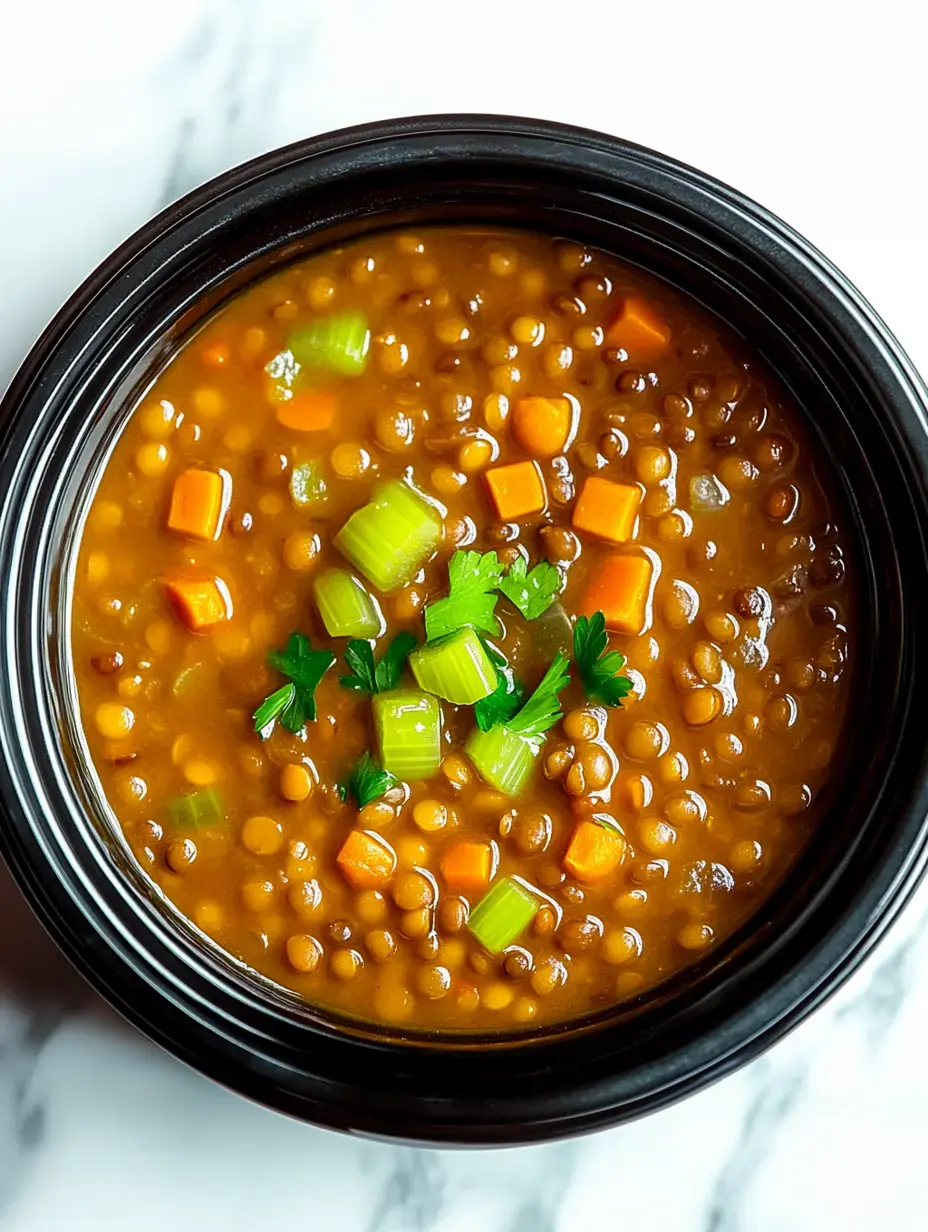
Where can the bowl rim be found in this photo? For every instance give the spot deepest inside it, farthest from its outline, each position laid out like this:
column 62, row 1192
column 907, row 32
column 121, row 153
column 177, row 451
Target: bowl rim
column 745, row 1033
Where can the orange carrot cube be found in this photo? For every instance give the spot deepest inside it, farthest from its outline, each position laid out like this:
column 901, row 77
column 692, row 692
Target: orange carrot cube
column 607, row 509
column 200, row 601
column 517, row 490
column 634, row 792
column 467, row 866
column 620, row 587
column 638, row 330
column 596, row 849
column 366, row 860
column 197, row 503
column 307, row 412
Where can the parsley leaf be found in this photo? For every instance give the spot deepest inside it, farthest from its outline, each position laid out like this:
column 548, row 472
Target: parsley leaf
column 502, row 703
column 294, row 703
column 273, row 707
column 472, row 579
column 367, row 781
column 360, row 658
column 199, row 808
column 369, row 677
column 393, row 660
column 600, row 670
column 542, row 710
column 532, row 591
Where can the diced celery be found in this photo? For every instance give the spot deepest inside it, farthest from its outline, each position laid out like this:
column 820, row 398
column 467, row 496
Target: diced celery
column 408, row 726
column 347, row 610
column 456, row 668
column 340, row 343
column 197, row 810
column 308, row 488
column 389, row 538
column 189, row 680
column 503, row 758
column 502, row 914
column 707, row 493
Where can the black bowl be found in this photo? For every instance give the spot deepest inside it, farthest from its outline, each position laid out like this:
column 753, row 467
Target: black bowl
column 862, row 400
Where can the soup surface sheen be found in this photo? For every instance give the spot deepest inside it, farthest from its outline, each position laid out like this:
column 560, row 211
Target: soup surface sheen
column 483, row 392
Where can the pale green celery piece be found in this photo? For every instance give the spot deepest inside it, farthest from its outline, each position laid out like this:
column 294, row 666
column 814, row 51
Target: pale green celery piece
column 503, row 914
column 456, row 668
column 392, row 536
column 408, row 727
column 308, row 488
column 188, row 679
column 197, row 810
column 346, row 608
column 503, row 758
column 340, row 342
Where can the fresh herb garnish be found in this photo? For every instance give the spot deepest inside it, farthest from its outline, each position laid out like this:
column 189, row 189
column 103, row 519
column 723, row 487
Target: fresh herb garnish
column 294, row 703
column 600, row 670
column 472, row 579
column 531, row 590
column 282, row 704
column 370, row 677
column 542, row 710
column 367, row 781
column 505, row 699
column 502, row 703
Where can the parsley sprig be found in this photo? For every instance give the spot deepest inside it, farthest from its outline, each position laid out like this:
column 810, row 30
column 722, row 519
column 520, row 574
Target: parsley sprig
column 532, row 591
column 543, row 710
column 294, row 703
column 367, row 781
column 600, row 670
column 472, row 580
column 502, row 703
column 368, row 676
column 505, row 699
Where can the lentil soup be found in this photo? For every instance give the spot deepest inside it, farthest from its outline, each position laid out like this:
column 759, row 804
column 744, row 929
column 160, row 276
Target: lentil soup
column 461, row 630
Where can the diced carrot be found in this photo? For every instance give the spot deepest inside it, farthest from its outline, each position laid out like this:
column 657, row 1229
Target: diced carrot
column 596, row 849
column 366, row 860
column 542, row 426
column 307, row 412
column 517, row 490
column 216, row 355
column 619, row 588
column 634, row 792
column 607, row 509
column 638, row 330
column 467, row 866
column 201, row 601
column 196, row 503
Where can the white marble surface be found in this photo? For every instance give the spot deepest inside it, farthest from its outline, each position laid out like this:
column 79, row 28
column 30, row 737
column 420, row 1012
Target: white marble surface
column 107, row 111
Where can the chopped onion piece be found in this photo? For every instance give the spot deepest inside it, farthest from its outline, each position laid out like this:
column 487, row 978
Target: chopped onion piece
column 708, row 493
